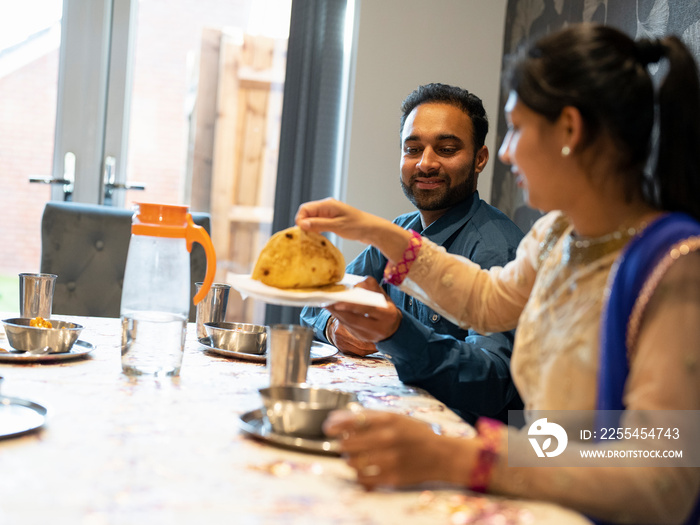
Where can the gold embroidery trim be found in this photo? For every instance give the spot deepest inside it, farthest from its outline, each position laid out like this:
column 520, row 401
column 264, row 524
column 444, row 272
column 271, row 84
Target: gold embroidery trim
column 554, row 233
column 679, row 249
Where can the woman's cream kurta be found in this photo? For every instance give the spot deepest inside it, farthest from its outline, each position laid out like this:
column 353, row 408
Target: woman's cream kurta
column 554, row 293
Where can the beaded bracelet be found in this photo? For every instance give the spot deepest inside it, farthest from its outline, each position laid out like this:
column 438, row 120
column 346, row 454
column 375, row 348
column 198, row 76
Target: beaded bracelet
column 489, row 431
column 396, row 273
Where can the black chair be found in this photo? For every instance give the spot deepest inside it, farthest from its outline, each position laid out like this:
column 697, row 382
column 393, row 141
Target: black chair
column 86, row 246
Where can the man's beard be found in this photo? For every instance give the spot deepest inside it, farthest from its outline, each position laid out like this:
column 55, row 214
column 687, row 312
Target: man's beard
column 446, row 197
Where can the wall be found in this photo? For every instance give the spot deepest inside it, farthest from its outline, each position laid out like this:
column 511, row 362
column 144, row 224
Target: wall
column 402, row 44
column 531, row 19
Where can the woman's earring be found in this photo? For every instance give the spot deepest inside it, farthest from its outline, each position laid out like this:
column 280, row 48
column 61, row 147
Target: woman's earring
column 565, row 151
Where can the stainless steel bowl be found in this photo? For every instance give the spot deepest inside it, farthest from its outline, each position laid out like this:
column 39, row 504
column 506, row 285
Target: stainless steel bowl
column 238, row 337
column 59, row 339
column 301, row 410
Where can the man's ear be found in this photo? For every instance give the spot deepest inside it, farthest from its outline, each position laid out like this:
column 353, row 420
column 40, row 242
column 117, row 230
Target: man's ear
column 480, row 159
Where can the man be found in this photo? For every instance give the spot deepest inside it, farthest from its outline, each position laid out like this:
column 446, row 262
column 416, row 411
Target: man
column 443, row 129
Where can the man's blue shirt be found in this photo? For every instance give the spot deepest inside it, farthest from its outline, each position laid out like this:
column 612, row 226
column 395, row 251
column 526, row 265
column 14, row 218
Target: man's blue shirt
column 467, row 371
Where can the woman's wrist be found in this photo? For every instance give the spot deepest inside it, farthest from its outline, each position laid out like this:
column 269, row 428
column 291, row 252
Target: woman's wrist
column 487, row 453
column 397, row 270
column 391, row 239
column 454, row 459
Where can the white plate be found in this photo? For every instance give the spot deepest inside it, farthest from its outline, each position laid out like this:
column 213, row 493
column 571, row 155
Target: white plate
column 248, row 286
column 319, row 351
column 79, row 349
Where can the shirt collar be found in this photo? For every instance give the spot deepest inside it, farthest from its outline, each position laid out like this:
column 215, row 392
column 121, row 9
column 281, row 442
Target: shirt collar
column 454, row 219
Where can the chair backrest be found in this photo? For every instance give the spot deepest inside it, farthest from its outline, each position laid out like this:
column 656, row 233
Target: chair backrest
column 86, row 246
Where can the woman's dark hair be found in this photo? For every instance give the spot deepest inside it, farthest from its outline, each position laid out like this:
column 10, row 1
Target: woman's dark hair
column 468, row 102
column 603, row 73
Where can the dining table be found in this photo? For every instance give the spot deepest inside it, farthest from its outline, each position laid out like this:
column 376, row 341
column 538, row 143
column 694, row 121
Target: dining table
column 117, row 449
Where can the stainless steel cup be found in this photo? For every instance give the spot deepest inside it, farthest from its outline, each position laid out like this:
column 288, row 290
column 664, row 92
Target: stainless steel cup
column 36, row 294
column 212, row 309
column 288, row 353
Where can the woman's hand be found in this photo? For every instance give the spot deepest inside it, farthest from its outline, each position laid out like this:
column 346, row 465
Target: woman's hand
column 330, row 215
column 389, row 449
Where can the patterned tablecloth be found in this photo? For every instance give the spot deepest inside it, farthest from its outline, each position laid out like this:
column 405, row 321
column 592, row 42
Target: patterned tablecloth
column 121, row 450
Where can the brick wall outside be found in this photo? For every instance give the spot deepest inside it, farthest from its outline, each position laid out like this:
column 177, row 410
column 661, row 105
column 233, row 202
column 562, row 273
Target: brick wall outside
column 27, row 121
column 168, row 30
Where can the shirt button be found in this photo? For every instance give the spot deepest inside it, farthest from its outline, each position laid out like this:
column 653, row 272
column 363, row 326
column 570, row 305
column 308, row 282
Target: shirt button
column 410, row 302
column 435, row 318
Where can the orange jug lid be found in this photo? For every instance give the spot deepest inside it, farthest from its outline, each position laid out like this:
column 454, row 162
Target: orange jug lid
column 161, row 214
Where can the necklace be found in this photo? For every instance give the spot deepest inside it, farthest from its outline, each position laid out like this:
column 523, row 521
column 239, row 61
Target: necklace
column 584, row 250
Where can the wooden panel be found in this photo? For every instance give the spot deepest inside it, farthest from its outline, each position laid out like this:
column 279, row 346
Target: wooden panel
column 226, row 147
column 253, row 151
column 249, row 81
column 202, row 121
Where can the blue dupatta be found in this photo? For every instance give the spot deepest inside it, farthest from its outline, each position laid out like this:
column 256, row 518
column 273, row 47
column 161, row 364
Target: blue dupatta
column 634, row 266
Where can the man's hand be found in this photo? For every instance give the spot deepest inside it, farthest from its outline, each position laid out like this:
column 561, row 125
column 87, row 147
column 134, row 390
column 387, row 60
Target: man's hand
column 355, row 328
column 344, row 341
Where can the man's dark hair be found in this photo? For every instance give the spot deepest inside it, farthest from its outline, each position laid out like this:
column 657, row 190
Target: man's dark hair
column 455, row 96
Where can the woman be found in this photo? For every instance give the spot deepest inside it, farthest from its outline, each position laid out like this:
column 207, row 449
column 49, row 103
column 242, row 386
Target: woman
column 605, row 288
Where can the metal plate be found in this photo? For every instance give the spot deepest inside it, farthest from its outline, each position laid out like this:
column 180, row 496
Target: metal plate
column 253, row 424
column 20, row 416
column 319, row 351
column 79, row 349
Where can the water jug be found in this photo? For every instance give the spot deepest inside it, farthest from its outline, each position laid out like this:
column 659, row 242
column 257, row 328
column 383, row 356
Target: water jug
column 156, row 294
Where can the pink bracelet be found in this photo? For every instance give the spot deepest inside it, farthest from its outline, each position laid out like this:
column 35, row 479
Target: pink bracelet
column 396, row 273
column 489, row 431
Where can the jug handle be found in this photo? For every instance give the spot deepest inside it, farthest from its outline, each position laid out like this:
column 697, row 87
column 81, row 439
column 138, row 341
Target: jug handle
column 198, row 234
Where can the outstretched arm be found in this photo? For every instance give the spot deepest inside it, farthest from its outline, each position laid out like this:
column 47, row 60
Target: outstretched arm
column 489, row 301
